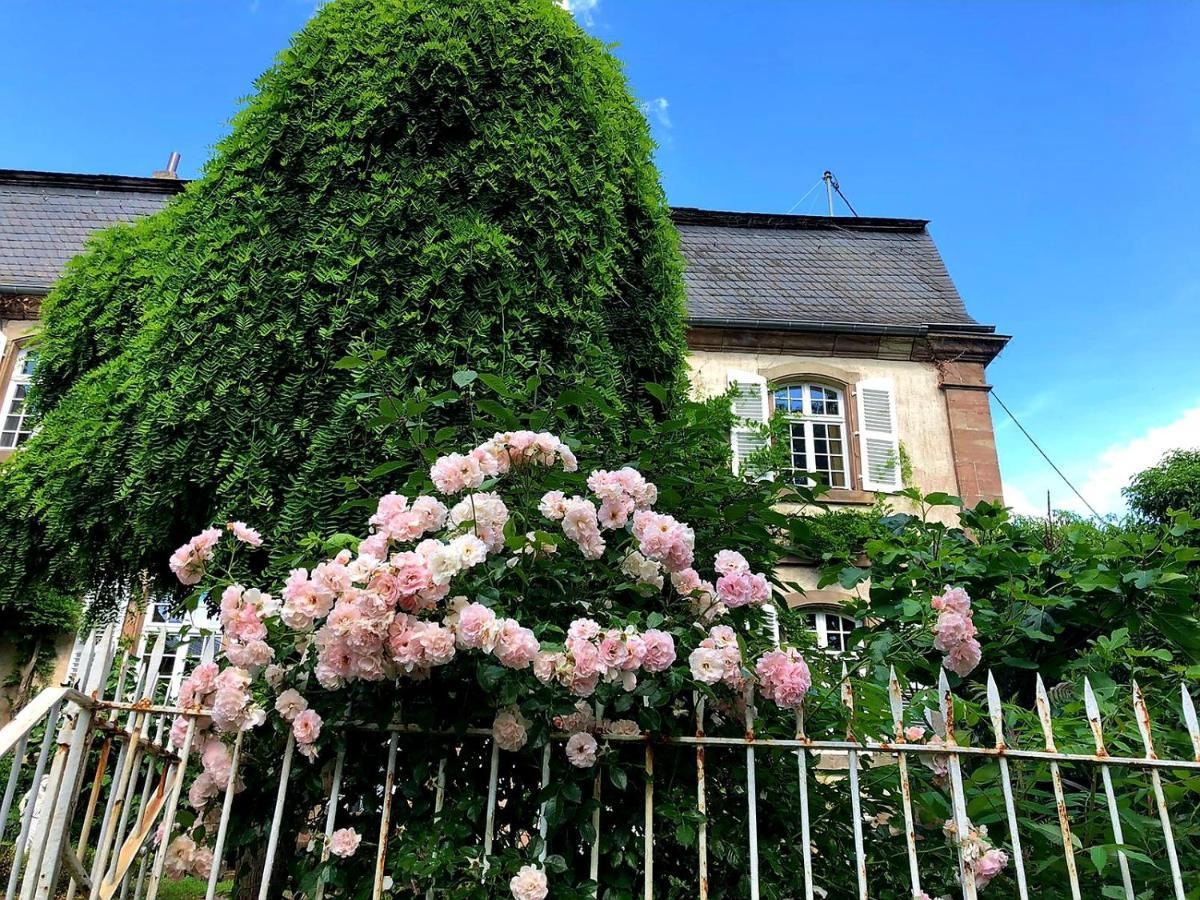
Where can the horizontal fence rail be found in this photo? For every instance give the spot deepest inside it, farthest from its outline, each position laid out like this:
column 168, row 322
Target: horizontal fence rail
column 91, row 775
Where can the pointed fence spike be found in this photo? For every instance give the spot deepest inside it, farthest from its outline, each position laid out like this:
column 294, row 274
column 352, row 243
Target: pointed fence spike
column 1093, row 714
column 910, row 831
column 1189, row 718
column 1142, row 714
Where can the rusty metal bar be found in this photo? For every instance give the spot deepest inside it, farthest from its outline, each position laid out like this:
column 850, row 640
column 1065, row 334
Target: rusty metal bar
column 385, row 817
column 701, row 805
column 285, row 772
column 1094, row 722
column 1143, row 720
column 751, row 794
column 594, row 860
column 860, row 854
column 648, row 852
column 962, row 824
column 996, row 714
column 805, row 836
column 543, row 823
column 168, row 828
column 39, row 770
column 489, row 831
column 1189, row 720
column 335, row 793
column 1064, row 825
column 896, row 700
column 223, row 826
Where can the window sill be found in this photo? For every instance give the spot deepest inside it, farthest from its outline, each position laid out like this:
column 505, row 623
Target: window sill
column 847, row 497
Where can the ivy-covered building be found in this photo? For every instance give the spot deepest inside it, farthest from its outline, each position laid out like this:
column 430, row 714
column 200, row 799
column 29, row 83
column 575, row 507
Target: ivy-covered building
column 851, row 328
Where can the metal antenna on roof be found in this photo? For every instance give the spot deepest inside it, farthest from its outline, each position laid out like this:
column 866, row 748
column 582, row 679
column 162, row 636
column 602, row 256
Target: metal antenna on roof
column 831, row 185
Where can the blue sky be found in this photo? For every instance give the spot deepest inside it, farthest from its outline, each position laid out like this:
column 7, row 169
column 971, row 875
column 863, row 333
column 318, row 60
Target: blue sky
column 1053, row 146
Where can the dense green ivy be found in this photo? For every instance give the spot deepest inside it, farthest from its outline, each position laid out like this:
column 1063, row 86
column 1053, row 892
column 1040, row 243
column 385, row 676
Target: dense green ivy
column 422, row 184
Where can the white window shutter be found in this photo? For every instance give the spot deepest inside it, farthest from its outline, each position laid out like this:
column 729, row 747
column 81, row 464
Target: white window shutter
column 878, row 436
column 750, row 408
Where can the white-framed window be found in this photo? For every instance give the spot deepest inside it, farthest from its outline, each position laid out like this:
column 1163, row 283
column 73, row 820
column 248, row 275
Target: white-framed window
column 817, row 432
column 832, row 629
column 15, row 424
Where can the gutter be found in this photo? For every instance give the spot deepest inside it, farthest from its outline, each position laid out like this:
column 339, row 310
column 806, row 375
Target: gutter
column 738, row 322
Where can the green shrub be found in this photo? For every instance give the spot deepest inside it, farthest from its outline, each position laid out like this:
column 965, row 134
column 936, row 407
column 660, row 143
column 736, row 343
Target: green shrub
column 417, row 186
column 1173, row 484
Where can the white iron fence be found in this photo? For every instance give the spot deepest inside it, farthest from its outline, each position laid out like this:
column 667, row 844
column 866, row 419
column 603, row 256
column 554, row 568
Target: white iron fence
column 77, row 804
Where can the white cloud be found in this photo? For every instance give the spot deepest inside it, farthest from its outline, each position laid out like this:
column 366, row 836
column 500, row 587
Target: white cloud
column 659, row 107
column 582, row 8
column 1021, row 502
column 1110, row 471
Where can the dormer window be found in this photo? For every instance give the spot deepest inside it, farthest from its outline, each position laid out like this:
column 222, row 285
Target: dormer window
column 816, row 415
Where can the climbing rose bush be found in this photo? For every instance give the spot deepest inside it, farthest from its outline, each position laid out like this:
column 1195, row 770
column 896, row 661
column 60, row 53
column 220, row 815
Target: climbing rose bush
column 443, row 578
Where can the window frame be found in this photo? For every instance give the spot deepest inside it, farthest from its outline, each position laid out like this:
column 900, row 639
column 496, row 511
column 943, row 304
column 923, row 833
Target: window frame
column 820, row 627
column 807, row 419
column 16, row 379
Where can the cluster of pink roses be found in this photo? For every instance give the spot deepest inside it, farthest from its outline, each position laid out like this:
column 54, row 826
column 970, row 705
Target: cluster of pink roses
column 664, row 539
column 395, row 521
column 954, row 632
column 216, row 770
column 580, row 521
column 456, row 472
column 783, row 676
column 305, row 722
column 738, row 586
column 189, row 561
column 985, row 860
column 718, row 659
column 621, row 493
column 616, row 655
column 184, row 858
column 225, row 693
column 476, row 627
column 242, row 613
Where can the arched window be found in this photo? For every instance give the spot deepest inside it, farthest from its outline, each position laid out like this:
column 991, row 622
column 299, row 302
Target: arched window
column 817, row 432
column 832, row 629
column 15, row 425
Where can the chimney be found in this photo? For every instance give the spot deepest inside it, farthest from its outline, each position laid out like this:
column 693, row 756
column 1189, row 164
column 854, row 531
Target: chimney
column 172, row 166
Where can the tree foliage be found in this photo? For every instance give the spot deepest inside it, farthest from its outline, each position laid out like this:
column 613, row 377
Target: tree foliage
column 1172, row 484
column 421, row 185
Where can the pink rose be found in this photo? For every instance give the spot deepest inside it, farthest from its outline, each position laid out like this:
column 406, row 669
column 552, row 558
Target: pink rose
column 581, row 750
column 509, row 729
column 529, row 884
column 306, row 726
column 660, row 650
column 245, row 534
column 344, row 842
column 730, row 561
column 477, row 627
column 290, row 704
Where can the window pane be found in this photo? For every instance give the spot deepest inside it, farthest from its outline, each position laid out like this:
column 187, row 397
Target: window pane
column 25, row 361
column 790, row 399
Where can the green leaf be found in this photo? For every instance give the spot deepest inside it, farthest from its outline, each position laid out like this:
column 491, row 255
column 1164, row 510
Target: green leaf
column 1099, row 858
column 618, row 778
column 463, row 377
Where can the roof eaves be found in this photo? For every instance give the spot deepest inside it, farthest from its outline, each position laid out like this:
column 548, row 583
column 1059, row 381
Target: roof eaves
column 122, row 183
column 689, row 215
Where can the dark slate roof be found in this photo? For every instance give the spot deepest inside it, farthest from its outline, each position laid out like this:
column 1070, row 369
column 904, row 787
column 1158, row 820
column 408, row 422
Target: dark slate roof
column 815, row 272
column 749, row 270
column 45, row 217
